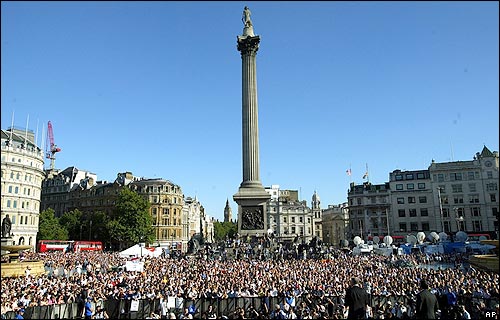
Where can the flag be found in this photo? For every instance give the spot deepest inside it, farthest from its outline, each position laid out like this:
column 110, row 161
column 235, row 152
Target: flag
column 348, row 171
column 365, row 175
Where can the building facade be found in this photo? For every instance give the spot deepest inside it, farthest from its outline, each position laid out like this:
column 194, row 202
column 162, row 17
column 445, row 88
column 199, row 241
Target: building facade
column 335, row 223
column 446, row 197
column 369, row 210
column 21, row 184
column 175, row 219
column 58, row 186
column 289, row 217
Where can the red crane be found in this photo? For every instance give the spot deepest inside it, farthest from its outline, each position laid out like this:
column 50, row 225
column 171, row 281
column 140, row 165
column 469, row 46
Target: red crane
column 51, row 147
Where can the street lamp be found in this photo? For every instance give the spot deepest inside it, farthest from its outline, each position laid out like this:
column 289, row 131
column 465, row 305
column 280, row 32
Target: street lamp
column 141, row 238
column 440, row 208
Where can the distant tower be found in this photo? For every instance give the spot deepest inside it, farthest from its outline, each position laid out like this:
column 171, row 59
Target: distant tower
column 251, row 196
column 228, row 213
column 317, row 216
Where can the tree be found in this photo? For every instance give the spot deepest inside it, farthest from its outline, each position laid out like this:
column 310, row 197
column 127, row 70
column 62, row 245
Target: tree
column 131, row 221
column 72, row 221
column 224, row 229
column 49, row 227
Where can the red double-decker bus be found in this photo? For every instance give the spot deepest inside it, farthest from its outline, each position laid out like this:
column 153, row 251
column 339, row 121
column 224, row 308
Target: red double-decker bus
column 87, row 246
column 68, row 245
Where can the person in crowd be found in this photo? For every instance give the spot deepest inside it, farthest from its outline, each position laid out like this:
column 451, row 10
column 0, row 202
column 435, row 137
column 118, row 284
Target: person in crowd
column 356, row 300
column 427, row 303
column 89, row 310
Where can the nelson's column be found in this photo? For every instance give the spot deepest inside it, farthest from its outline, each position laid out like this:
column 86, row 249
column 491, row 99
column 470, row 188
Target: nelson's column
column 251, row 196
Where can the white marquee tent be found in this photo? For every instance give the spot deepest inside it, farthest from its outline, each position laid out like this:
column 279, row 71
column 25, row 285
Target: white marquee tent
column 140, row 251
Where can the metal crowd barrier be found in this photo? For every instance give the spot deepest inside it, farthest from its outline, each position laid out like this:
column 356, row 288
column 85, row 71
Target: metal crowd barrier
column 122, row 309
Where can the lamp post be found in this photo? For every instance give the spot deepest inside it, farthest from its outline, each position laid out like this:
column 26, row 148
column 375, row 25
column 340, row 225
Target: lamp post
column 440, row 208
column 90, row 231
column 141, row 238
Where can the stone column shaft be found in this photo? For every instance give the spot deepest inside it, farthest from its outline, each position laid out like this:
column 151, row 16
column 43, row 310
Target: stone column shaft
column 250, row 122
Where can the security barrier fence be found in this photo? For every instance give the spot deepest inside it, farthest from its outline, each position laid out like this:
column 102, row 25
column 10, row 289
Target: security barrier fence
column 140, row 309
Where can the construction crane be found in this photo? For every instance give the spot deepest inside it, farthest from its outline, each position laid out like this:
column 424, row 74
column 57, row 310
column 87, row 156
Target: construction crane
column 51, row 147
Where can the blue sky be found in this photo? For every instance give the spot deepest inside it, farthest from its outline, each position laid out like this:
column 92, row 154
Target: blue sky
column 155, row 88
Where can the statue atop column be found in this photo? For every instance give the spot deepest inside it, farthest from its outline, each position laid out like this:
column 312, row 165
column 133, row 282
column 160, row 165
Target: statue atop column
column 6, row 226
column 247, row 22
column 246, row 17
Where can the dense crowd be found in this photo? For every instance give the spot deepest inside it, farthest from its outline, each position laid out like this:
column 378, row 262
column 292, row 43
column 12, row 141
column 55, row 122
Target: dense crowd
column 308, row 286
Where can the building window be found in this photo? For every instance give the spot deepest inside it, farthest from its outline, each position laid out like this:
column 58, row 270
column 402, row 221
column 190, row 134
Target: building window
column 414, row 226
column 8, row 203
column 410, row 186
column 491, row 187
column 402, row 227
column 421, row 185
column 474, row 198
column 424, row 212
column 477, row 226
column 16, row 190
column 413, row 212
column 456, row 188
column 458, row 199
column 425, row 226
column 422, row 199
column 401, row 200
column 301, row 219
column 284, row 219
column 10, row 189
column 420, row 175
column 489, row 174
column 470, row 175
column 14, row 204
column 444, row 199
column 358, row 200
column 472, row 187
column 440, row 177
column 399, row 186
column 411, row 200
column 409, row 176
column 401, row 213
column 293, row 219
column 399, row 177
column 456, row 176
column 293, row 230
column 475, row 211
column 493, row 197
column 446, row 213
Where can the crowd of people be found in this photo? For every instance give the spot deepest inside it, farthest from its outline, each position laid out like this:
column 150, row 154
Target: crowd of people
column 309, row 288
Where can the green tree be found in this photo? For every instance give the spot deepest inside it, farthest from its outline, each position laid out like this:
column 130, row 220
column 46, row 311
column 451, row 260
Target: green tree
column 99, row 227
column 49, row 227
column 72, row 221
column 131, row 221
column 223, row 229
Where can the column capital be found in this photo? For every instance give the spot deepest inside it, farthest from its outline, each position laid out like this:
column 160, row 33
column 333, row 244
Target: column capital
column 248, row 44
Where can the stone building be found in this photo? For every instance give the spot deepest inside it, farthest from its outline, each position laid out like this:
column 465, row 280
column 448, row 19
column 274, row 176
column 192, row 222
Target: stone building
column 21, row 184
column 335, row 222
column 449, row 196
column 289, row 217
